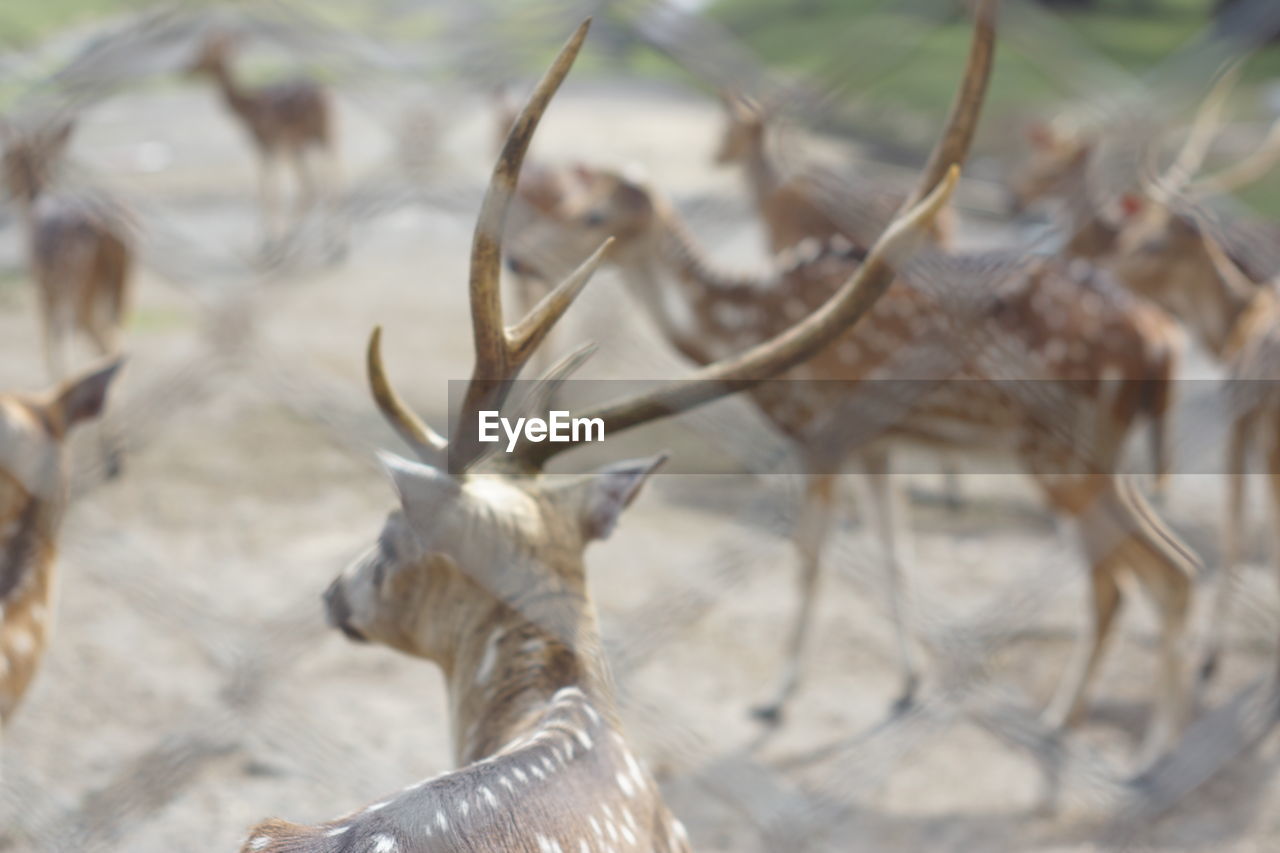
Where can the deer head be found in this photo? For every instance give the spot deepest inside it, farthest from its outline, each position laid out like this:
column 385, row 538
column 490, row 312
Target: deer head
column 33, row 486
column 213, row 53
column 1058, row 159
column 1168, row 248
column 32, row 156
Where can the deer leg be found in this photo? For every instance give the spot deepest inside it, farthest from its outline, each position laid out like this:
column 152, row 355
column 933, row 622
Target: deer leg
column 884, row 501
column 53, row 332
column 1164, row 567
column 305, row 200
column 1233, row 523
column 1104, row 601
column 812, row 528
column 268, row 199
column 1273, row 482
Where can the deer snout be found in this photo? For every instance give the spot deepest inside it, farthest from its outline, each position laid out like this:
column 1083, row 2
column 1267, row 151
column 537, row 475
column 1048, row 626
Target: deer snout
column 338, row 612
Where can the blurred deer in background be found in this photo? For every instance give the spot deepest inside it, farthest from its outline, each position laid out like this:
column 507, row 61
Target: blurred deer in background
column 290, row 120
column 79, row 245
column 796, row 211
column 33, row 497
column 797, row 222
column 914, row 377
column 1218, row 278
column 481, row 570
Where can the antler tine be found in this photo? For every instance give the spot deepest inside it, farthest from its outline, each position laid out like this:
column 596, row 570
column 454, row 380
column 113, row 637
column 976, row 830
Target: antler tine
column 854, row 298
column 1204, row 127
column 499, row 352
column 1247, row 171
column 426, row 443
column 525, row 336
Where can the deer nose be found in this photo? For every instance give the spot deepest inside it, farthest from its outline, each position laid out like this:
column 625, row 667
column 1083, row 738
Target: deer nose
column 338, row 612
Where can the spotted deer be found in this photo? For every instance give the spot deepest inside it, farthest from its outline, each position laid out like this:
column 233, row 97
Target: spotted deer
column 290, row 120
column 1218, row 278
column 33, row 498
column 79, row 245
column 481, row 570
column 1038, row 323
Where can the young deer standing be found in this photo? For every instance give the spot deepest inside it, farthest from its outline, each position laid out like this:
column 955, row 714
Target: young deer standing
column 481, row 571
column 33, row 495
column 79, row 246
column 1108, row 356
column 288, row 120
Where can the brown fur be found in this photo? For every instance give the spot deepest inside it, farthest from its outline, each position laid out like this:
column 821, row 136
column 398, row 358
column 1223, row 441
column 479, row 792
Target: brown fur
column 79, row 247
column 798, row 208
column 33, row 485
column 1041, row 320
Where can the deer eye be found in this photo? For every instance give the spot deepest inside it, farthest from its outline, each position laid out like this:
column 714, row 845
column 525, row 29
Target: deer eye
column 593, row 219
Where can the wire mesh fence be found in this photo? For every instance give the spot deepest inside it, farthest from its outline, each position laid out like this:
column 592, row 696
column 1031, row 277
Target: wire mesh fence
column 193, row 688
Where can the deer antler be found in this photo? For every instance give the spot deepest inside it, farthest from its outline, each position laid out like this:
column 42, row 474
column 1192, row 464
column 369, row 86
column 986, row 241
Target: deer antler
column 501, row 350
column 427, row 444
column 1195, row 149
column 854, row 298
column 1247, row 171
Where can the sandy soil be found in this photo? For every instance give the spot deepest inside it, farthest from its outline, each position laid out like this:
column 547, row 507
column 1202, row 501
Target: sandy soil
column 193, row 690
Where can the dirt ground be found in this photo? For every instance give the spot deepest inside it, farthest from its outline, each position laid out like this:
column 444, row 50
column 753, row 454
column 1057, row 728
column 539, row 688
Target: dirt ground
column 192, row 688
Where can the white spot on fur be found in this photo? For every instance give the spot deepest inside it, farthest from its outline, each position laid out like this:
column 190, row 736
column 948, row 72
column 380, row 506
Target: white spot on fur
column 382, row 843
column 549, row 845
column 336, row 831
column 442, row 821
column 625, row 784
column 259, row 843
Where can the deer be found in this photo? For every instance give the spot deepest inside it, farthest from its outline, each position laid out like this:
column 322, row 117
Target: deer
column 288, row 120
column 480, row 568
column 798, row 222
column 1057, row 319
column 1217, row 278
column 79, row 246
column 34, row 477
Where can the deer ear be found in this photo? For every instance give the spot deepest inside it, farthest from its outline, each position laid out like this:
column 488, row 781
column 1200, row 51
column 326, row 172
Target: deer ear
column 611, row 490
column 83, row 398
column 424, row 491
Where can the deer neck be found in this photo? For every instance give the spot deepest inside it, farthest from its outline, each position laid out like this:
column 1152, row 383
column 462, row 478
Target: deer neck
column 26, row 592
column 507, row 670
column 1219, row 314
column 762, row 175
column 693, row 304
column 235, row 96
